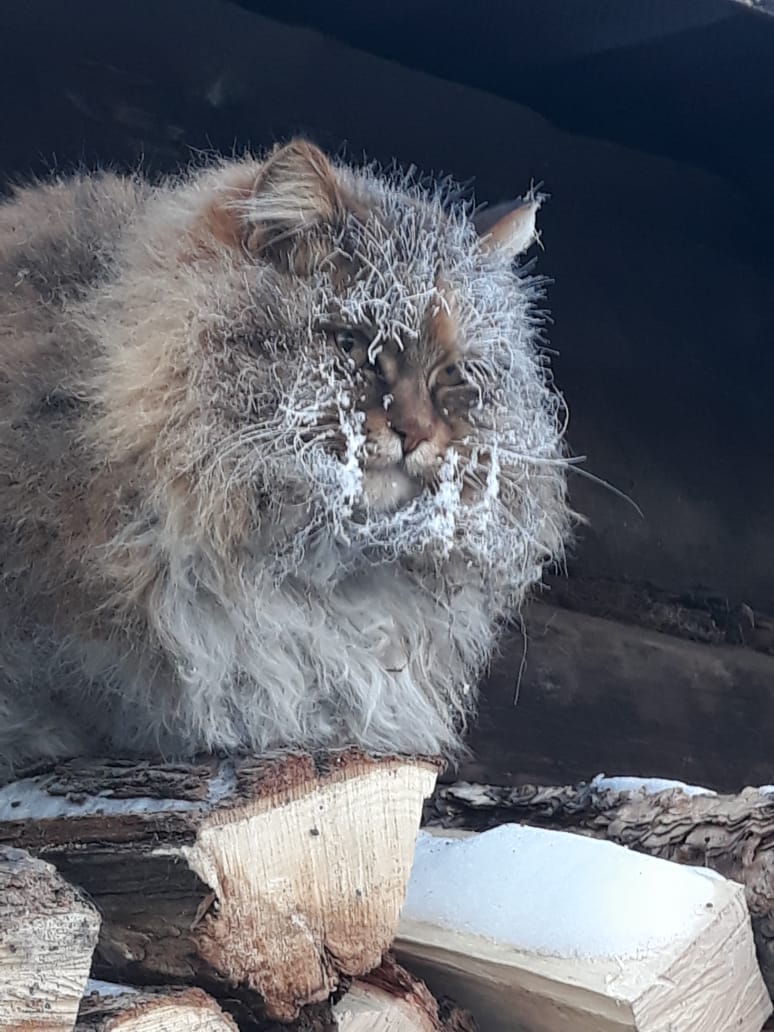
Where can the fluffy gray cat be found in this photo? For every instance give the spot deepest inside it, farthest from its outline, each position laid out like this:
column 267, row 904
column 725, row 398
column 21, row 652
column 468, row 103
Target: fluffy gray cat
column 278, row 453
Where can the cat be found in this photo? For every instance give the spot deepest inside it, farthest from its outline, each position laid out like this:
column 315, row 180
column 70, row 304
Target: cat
column 279, row 453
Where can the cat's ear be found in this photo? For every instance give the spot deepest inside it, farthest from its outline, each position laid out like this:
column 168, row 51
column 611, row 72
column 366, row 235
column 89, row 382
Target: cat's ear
column 296, row 188
column 508, row 229
column 253, row 205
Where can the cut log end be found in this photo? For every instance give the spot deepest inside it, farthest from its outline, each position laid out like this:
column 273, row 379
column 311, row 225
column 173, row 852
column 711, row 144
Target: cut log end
column 730, row 834
column 390, row 999
column 604, row 940
column 123, row 1009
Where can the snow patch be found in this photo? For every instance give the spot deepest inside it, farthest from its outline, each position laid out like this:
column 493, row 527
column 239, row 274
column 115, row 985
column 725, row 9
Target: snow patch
column 28, row 799
column 556, row 894
column 648, row 786
column 223, row 784
column 94, row 985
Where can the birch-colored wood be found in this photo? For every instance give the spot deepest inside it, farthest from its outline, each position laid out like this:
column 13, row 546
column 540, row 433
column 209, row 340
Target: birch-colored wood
column 390, row 999
column 48, row 932
column 703, row 978
column 125, row 1009
column 268, row 881
column 732, row 834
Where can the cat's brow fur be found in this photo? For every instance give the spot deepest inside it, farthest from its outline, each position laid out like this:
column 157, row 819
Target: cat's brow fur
column 190, row 559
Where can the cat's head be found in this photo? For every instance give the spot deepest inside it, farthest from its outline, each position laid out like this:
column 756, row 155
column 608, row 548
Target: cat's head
column 358, row 350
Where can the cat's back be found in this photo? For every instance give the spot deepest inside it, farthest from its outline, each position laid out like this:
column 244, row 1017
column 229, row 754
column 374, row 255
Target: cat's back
column 58, row 241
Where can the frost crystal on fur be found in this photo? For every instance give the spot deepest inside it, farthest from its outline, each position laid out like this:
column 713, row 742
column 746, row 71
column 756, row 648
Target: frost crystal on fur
column 200, row 549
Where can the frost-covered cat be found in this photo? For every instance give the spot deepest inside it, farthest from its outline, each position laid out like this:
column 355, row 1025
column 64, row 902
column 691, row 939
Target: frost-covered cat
column 277, row 455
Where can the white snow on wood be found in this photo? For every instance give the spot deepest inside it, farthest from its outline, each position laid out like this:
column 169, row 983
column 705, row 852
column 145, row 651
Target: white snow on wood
column 647, row 786
column 96, row 985
column 28, row 799
column 556, row 894
column 555, row 932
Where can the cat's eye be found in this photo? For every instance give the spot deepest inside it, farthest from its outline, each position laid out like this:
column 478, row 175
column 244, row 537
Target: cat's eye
column 346, row 339
column 448, row 376
column 353, row 343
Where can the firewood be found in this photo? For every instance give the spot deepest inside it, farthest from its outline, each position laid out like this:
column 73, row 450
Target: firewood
column 554, row 932
column 390, row 999
column 48, row 932
column 115, row 1008
column 732, row 834
column 262, row 880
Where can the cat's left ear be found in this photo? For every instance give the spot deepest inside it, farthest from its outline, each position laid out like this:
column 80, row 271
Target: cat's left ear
column 254, row 204
column 508, row 229
column 295, row 189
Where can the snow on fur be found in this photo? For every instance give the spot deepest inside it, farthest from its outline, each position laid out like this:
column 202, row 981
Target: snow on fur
column 256, row 599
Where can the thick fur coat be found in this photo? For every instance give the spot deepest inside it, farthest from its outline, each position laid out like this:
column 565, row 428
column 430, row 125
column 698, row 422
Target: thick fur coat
column 278, row 453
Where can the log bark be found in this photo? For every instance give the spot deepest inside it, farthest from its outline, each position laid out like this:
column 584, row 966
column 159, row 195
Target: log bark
column 694, row 615
column 48, row 932
column 732, row 834
column 125, row 1009
column 263, row 881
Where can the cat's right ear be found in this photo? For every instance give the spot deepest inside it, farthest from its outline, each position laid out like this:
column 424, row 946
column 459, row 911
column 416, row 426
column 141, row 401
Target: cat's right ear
column 294, row 189
column 508, row 229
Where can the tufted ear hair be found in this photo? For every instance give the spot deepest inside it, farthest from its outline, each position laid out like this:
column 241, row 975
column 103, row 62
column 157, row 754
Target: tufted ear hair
column 508, row 229
column 293, row 189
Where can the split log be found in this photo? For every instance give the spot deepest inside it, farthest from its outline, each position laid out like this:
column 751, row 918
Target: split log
column 115, row 1008
column 731, row 834
column 48, row 932
column 554, row 932
column 265, row 881
column 390, row 999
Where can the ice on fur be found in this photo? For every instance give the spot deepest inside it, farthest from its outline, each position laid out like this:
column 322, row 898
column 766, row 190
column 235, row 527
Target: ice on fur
column 278, row 455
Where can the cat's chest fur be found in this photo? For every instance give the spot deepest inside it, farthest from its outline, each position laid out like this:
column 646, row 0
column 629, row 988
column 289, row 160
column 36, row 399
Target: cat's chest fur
column 363, row 660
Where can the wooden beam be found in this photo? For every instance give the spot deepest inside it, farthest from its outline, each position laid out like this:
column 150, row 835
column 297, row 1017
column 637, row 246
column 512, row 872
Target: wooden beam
column 701, row 616
column 595, row 695
column 266, row 880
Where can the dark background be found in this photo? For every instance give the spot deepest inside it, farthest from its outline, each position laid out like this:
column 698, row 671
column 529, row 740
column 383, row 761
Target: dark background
column 651, row 125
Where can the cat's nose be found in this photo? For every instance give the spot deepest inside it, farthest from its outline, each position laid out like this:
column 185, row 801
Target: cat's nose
column 412, row 433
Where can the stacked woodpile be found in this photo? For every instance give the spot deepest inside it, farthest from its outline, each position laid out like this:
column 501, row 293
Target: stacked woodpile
column 211, row 897
column 257, row 896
